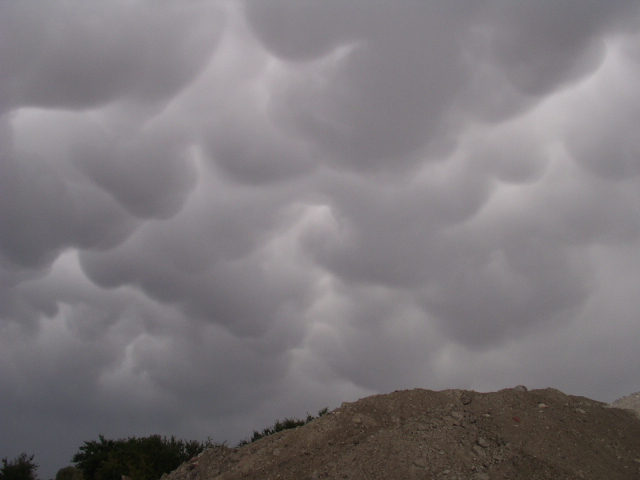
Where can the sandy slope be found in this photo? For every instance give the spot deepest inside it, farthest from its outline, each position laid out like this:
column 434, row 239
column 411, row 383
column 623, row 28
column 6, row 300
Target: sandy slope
column 452, row 434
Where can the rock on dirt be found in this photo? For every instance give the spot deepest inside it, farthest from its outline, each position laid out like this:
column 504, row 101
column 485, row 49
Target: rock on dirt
column 452, row 434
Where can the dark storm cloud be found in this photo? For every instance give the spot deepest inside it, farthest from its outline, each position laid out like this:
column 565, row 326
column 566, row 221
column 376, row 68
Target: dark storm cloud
column 150, row 174
column 254, row 152
column 383, row 230
column 82, row 54
column 543, row 44
column 215, row 214
column 61, row 213
column 397, row 68
column 604, row 140
column 380, row 97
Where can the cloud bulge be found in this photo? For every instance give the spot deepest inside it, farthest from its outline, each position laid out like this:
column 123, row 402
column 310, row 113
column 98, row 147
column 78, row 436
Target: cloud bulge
column 216, row 214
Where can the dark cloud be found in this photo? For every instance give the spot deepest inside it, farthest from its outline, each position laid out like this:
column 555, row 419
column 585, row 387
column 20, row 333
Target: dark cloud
column 249, row 148
column 61, row 215
column 150, row 174
column 545, row 44
column 381, row 95
column 62, row 211
column 215, row 214
column 389, row 233
column 78, row 55
column 604, row 140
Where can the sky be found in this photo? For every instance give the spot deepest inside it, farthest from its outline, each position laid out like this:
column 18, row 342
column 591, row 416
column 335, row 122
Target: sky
column 216, row 214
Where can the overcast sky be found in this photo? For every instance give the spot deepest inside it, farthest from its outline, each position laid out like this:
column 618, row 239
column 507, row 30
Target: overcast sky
column 216, row 214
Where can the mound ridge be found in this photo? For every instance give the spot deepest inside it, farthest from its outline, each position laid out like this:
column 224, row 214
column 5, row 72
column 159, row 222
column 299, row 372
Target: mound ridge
column 450, row 434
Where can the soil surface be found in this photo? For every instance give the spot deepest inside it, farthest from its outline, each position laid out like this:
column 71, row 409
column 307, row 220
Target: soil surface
column 451, row 434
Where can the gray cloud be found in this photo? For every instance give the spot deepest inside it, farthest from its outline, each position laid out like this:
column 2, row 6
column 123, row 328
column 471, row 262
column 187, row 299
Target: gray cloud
column 150, row 174
column 63, row 212
column 83, row 55
column 216, row 214
column 379, row 98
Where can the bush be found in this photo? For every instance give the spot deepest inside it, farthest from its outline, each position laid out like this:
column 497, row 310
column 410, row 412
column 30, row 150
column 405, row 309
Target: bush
column 279, row 426
column 146, row 458
column 69, row 473
column 20, row 468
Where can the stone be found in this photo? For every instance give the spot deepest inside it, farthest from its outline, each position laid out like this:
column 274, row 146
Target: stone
column 483, row 442
column 420, row 463
column 478, row 450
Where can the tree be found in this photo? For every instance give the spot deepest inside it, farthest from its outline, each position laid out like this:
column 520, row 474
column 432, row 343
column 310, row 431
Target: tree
column 69, row 473
column 93, row 456
column 144, row 458
column 20, row 468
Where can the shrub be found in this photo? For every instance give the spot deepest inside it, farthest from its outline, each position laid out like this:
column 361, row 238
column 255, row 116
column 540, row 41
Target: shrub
column 146, row 458
column 20, row 468
column 69, row 473
column 279, row 426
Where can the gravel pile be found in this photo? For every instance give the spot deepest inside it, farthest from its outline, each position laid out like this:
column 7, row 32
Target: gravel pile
column 452, row 435
column 630, row 402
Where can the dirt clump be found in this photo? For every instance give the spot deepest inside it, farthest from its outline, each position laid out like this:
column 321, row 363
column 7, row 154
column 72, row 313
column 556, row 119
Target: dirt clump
column 451, row 434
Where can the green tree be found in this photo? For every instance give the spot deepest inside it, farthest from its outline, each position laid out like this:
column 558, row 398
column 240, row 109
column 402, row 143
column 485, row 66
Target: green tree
column 20, row 468
column 69, row 473
column 93, row 457
column 144, row 458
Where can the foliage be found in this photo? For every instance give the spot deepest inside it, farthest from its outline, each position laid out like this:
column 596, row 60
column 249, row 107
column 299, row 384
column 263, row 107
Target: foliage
column 69, row 473
column 20, row 468
column 145, row 458
column 279, row 426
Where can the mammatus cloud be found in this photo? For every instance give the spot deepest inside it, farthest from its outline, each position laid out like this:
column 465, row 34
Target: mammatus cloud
column 218, row 213
column 83, row 56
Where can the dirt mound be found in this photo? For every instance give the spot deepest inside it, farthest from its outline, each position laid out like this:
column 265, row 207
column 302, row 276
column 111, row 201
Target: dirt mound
column 452, row 434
